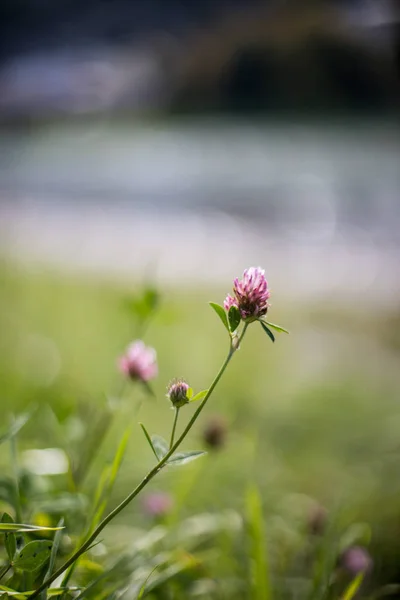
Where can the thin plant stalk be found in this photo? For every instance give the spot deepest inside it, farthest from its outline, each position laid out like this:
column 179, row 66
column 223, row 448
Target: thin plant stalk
column 18, row 508
column 152, row 473
column 174, row 427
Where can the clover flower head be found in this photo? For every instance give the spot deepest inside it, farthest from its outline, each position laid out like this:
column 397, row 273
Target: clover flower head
column 139, row 362
column 251, row 294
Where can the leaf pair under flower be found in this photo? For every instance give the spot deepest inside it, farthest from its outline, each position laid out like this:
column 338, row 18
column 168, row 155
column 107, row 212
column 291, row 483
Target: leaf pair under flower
column 160, row 448
column 232, row 318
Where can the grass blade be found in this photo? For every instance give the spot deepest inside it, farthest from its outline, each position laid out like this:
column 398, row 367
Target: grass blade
column 53, row 554
column 353, row 588
column 24, row 528
column 143, row 587
column 258, row 555
column 103, row 493
column 110, row 475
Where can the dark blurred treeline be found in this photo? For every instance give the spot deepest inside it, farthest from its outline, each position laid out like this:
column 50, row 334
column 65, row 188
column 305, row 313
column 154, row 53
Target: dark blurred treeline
column 294, row 58
column 198, row 55
column 26, row 25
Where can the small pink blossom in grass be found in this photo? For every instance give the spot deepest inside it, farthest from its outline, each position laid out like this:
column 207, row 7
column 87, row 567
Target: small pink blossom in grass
column 139, row 362
column 356, row 560
column 251, row 294
column 157, row 504
column 177, row 392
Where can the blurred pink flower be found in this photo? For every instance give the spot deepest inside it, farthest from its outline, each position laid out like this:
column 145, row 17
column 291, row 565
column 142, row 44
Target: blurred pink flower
column 157, row 504
column 139, row 362
column 251, row 294
column 356, row 560
column 177, row 392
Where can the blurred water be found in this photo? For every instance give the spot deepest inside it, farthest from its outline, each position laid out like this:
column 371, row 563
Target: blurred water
column 200, row 197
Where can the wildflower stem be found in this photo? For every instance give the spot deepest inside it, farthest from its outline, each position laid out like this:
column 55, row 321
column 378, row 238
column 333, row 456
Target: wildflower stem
column 156, row 469
column 174, row 427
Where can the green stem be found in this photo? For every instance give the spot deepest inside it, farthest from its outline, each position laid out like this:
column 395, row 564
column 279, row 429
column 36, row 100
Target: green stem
column 18, row 509
column 145, row 480
column 174, row 427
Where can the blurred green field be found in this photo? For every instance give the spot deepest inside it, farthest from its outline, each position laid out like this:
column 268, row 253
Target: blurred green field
column 313, row 420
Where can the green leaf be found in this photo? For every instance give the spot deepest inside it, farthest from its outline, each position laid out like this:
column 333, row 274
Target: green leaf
column 148, row 438
column 53, row 554
column 33, row 556
column 10, row 542
column 21, row 528
column 267, row 331
column 199, row 396
column 182, row 458
column 108, row 478
column 160, row 445
column 234, row 318
column 221, row 313
column 258, row 557
column 189, row 393
column 276, row 327
column 353, row 588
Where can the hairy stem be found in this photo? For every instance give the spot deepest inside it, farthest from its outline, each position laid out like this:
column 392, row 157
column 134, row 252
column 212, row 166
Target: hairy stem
column 145, row 480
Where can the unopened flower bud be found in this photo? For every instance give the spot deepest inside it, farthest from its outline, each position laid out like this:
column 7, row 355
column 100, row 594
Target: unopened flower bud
column 177, row 392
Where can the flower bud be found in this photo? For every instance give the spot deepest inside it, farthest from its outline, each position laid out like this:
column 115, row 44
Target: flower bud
column 177, row 392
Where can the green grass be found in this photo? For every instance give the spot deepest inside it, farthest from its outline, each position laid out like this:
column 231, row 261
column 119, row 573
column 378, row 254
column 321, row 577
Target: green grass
column 313, row 419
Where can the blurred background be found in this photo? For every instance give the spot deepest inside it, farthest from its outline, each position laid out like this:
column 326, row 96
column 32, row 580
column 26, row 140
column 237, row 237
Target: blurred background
column 171, row 145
